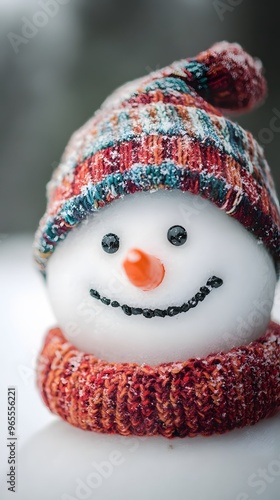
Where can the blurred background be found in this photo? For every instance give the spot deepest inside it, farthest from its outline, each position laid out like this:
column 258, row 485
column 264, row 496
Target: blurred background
column 59, row 59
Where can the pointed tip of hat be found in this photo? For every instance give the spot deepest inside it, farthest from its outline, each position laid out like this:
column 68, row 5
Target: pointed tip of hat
column 235, row 80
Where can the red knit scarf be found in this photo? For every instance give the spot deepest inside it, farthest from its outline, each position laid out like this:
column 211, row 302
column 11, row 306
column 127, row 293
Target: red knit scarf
column 203, row 396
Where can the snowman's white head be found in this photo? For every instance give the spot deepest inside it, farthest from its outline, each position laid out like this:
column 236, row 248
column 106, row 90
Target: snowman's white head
column 159, row 277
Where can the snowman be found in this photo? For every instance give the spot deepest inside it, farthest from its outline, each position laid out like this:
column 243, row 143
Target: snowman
column 160, row 248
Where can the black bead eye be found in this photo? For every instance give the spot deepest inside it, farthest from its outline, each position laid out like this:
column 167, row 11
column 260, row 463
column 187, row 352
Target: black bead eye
column 110, row 243
column 177, row 235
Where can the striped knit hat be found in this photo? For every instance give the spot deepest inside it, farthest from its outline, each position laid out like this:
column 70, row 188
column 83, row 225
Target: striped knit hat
column 166, row 131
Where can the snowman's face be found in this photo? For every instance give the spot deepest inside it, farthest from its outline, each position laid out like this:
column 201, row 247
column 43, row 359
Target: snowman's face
column 158, row 277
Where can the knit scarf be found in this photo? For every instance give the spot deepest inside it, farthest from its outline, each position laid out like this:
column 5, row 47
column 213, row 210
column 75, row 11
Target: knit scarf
column 200, row 396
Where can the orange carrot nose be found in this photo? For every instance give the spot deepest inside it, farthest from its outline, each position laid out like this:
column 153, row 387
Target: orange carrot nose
column 143, row 270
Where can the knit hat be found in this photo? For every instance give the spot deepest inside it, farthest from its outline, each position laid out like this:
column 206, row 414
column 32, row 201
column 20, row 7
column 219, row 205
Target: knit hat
column 166, row 131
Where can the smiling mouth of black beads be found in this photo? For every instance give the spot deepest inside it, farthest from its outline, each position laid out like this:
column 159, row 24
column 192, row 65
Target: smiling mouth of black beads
column 211, row 284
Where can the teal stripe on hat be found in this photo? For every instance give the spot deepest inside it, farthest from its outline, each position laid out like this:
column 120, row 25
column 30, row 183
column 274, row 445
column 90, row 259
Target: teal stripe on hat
column 198, row 72
column 209, row 128
column 165, row 85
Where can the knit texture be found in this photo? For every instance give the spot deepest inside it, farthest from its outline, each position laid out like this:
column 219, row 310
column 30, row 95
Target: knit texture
column 166, row 131
column 201, row 396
